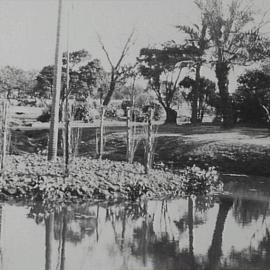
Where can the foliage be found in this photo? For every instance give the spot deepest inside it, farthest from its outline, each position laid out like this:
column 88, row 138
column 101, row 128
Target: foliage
column 198, row 182
column 162, row 68
column 33, row 177
column 235, row 39
column 86, row 76
column 85, row 112
column 15, row 82
column 198, row 40
column 44, row 86
column 206, row 94
column 252, row 97
column 46, row 114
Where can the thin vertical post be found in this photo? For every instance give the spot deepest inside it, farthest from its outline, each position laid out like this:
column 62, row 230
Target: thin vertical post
column 96, row 139
column 101, row 140
column 4, row 129
column 149, row 146
column 67, row 116
column 53, row 137
column 128, row 154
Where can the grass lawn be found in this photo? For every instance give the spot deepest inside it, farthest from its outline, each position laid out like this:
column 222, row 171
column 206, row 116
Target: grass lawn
column 238, row 150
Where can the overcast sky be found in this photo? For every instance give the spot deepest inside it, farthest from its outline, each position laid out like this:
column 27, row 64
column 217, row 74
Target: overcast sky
column 28, row 27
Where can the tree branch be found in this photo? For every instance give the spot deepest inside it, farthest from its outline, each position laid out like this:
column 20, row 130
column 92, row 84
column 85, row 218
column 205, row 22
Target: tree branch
column 105, row 51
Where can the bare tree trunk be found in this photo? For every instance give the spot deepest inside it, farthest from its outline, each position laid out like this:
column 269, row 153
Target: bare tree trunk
column 149, row 146
column 4, row 134
column 53, row 138
column 128, row 155
column 171, row 116
column 222, row 73
column 97, row 143
column 101, row 140
column 195, row 96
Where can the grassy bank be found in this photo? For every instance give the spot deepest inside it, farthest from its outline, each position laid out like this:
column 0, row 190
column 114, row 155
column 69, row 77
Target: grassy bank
column 239, row 150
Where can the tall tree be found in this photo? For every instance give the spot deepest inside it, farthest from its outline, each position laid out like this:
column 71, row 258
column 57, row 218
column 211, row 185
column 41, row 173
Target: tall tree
column 44, row 86
column 196, row 38
column 204, row 97
column 252, row 97
column 86, row 75
column 235, row 40
column 118, row 72
column 162, row 67
column 53, row 136
column 15, row 82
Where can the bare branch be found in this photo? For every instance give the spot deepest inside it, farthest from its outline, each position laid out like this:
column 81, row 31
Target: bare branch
column 125, row 49
column 105, row 51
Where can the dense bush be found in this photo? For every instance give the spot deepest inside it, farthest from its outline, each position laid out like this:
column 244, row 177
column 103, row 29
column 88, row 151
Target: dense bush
column 252, row 96
column 46, row 115
column 198, row 182
column 85, row 112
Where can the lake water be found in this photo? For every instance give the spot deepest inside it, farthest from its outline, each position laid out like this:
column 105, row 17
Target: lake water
column 228, row 232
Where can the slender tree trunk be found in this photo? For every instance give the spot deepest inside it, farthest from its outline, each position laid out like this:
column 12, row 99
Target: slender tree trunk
column 171, row 116
column 222, row 73
column 128, row 154
column 4, row 134
column 215, row 250
column 67, row 121
column 53, row 137
column 195, row 96
column 108, row 97
column 149, row 146
column 101, row 139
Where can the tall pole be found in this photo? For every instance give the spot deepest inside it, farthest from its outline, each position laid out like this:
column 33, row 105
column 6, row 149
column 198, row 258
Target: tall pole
column 53, row 138
column 67, row 110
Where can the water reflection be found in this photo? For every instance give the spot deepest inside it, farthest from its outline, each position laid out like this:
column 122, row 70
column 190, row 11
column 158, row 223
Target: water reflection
column 227, row 232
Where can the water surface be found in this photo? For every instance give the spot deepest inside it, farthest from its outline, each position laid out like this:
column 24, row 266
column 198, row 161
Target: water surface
column 227, row 232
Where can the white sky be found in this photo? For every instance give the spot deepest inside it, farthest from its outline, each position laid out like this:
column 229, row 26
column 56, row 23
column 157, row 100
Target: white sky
column 28, row 27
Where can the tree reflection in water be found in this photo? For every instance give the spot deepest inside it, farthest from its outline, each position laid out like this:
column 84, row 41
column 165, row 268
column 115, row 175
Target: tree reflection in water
column 156, row 237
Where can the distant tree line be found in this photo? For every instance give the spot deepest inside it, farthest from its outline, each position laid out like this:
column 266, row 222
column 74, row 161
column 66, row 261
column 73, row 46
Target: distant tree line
column 227, row 35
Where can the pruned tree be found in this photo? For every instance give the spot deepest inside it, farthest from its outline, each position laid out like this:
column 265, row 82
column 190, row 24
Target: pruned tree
column 162, row 68
column 198, row 40
column 118, row 72
column 235, row 40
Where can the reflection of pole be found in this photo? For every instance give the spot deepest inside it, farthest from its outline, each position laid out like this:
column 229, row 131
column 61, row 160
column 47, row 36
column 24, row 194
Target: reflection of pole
column 53, row 139
column 1, row 240
column 190, row 224
column 215, row 250
column 64, row 230
column 97, row 235
column 49, row 223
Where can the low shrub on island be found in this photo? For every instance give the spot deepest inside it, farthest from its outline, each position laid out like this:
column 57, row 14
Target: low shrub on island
column 33, row 177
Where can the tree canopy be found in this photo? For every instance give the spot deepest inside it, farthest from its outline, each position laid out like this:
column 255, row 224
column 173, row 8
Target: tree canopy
column 162, row 68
